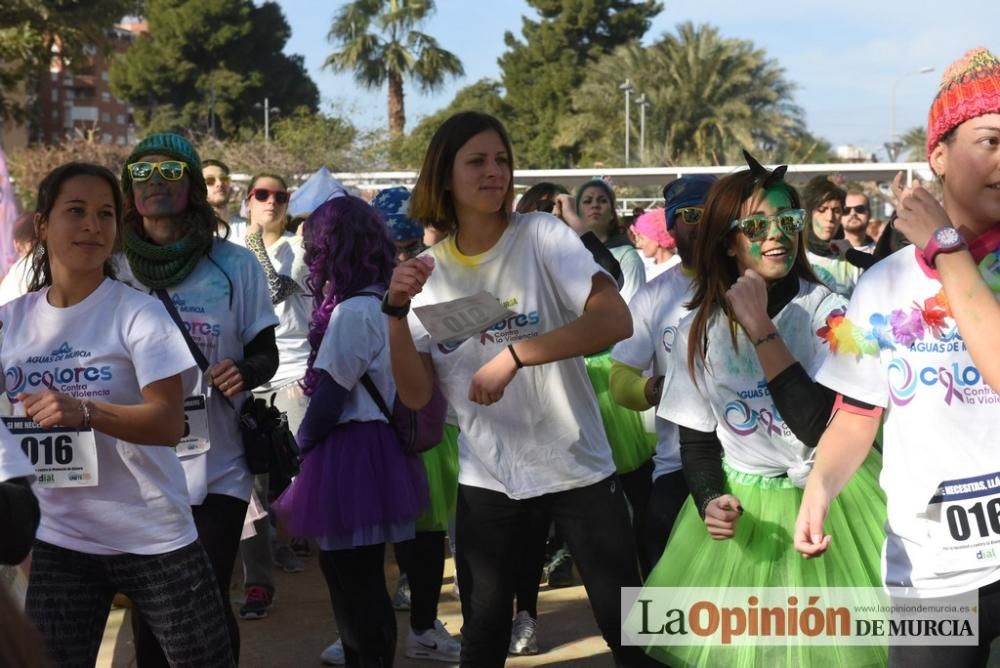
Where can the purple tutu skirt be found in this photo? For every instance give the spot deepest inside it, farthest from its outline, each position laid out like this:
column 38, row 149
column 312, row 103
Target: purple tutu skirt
column 356, row 488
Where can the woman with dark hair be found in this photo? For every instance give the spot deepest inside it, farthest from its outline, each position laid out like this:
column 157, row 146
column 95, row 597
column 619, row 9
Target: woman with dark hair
column 357, row 489
column 750, row 416
column 218, row 297
column 98, row 367
column 282, row 257
column 824, row 206
column 595, row 204
column 531, row 436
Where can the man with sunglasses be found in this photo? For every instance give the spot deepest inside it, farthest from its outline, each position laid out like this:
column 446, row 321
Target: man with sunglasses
column 657, row 308
column 220, row 191
column 857, row 214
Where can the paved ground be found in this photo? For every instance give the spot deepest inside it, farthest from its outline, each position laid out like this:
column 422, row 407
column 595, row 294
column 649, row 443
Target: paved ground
column 301, row 625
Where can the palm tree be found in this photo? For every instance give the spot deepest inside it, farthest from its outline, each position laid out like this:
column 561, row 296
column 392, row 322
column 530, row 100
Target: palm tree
column 710, row 96
column 377, row 40
column 914, row 143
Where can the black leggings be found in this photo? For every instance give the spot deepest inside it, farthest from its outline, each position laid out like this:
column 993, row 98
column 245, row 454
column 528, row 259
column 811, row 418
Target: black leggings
column 491, row 527
column 670, row 491
column 69, row 597
column 638, row 487
column 219, row 519
column 361, row 604
column 422, row 560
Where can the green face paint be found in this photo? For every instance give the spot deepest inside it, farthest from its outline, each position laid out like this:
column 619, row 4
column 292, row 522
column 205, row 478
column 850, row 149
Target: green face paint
column 778, row 198
column 755, row 250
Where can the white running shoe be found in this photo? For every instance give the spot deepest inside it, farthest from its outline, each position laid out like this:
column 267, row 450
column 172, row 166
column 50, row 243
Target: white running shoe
column 434, row 644
column 334, row 654
column 524, row 635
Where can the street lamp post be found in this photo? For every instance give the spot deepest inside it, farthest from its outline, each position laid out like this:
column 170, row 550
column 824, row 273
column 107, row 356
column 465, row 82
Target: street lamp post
column 643, row 103
column 894, row 145
column 268, row 110
column 627, row 87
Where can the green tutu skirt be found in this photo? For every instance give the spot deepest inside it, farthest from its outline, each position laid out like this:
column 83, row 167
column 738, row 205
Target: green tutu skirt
column 441, row 464
column 762, row 554
column 631, row 445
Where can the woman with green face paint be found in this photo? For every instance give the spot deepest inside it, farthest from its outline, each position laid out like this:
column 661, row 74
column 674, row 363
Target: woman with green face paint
column 749, row 416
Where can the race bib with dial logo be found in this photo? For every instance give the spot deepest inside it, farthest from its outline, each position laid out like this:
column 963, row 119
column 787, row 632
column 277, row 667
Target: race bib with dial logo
column 61, row 457
column 965, row 521
column 195, row 440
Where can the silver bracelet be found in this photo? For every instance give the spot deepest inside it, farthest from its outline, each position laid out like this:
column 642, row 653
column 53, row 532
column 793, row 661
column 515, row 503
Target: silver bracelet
column 86, row 414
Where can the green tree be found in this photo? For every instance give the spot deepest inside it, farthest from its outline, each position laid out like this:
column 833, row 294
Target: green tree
column 28, row 31
column 709, row 97
column 209, row 65
column 542, row 70
column 379, row 42
column 915, row 143
column 485, row 95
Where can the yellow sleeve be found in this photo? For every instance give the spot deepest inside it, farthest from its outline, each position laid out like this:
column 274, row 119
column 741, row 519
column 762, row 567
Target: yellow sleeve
column 628, row 386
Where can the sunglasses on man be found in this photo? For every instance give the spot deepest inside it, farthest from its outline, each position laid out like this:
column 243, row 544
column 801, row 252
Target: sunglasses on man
column 211, row 180
column 860, row 209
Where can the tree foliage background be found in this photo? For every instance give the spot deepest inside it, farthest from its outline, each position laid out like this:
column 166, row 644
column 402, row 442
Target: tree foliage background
column 211, row 63
column 542, row 69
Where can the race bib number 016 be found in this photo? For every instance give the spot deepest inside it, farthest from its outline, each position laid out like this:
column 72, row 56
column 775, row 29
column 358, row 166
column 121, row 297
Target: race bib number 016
column 61, row 457
column 966, row 516
column 195, row 440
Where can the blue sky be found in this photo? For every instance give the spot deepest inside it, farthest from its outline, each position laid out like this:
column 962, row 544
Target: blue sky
column 844, row 56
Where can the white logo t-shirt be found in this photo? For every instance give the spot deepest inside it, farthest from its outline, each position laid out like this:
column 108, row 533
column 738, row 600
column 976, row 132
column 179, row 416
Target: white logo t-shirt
column 657, row 309
column 732, row 398
column 105, row 348
column 898, row 347
column 224, row 303
column 545, row 434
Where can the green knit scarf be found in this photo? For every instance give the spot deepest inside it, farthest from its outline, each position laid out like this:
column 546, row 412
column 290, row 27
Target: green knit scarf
column 164, row 266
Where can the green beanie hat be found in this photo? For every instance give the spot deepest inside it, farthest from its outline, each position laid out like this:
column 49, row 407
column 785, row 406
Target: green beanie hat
column 169, row 144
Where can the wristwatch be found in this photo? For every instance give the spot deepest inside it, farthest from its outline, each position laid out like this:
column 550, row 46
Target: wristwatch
column 398, row 312
column 944, row 240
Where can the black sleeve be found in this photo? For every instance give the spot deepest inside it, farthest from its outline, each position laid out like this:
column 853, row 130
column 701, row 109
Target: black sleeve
column 603, row 257
column 804, row 404
column 701, row 457
column 19, row 517
column 260, row 359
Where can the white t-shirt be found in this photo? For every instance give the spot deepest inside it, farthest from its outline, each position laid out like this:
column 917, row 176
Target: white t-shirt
column 836, row 273
column 654, row 270
column 237, row 230
column 287, row 256
column 545, row 434
column 15, row 283
column 106, row 348
column 633, row 270
column 13, row 462
column 941, row 418
column 657, row 309
column 224, row 305
column 732, row 398
column 355, row 342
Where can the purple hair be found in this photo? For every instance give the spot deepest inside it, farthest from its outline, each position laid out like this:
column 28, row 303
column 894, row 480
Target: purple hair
column 347, row 249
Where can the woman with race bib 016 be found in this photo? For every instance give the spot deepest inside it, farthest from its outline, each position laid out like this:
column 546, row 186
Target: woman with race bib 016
column 903, row 350
column 749, row 416
column 218, row 293
column 97, row 365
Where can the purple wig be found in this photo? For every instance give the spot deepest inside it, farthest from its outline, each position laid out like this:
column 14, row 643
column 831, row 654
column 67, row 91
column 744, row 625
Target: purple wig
column 347, row 249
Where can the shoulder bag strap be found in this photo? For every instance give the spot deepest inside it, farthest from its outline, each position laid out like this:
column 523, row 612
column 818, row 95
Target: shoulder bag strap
column 199, row 357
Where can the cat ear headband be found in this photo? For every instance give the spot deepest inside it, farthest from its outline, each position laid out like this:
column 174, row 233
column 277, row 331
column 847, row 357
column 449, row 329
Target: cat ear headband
column 762, row 177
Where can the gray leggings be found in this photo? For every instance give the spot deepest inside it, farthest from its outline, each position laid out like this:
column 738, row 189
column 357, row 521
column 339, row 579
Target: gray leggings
column 69, row 598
